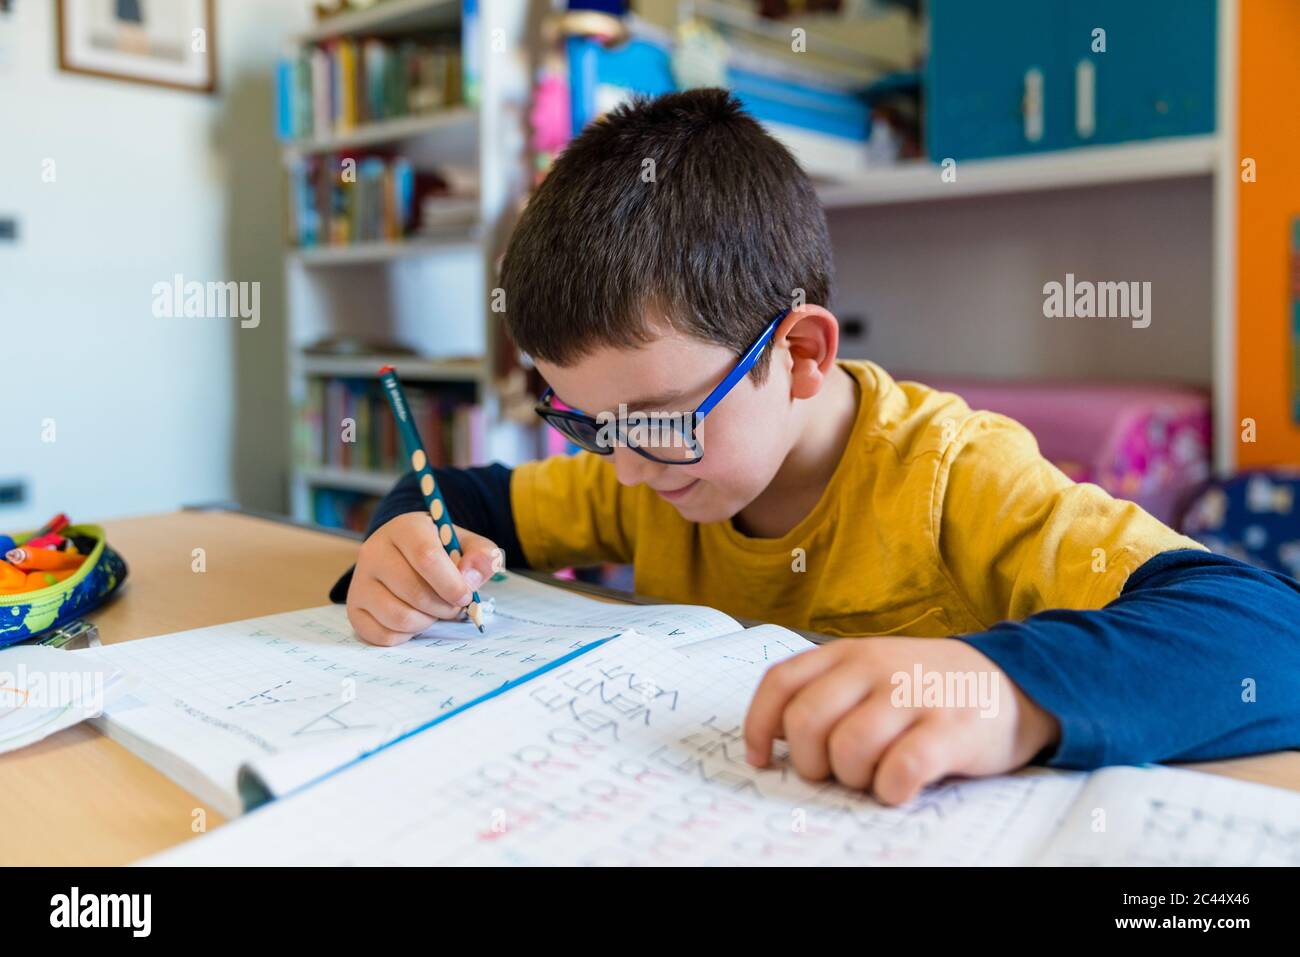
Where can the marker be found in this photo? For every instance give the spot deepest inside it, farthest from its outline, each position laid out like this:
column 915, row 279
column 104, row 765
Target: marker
column 57, row 524
column 42, row 559
column 419, row 461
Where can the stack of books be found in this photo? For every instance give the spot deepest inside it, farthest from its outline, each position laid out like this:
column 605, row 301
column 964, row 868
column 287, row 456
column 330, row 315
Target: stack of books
column 342, row 508
column 342, row 198
column 346, row 424
column 337, row 86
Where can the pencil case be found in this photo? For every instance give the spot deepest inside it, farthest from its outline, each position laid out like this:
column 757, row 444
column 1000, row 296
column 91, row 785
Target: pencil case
column 27, row 614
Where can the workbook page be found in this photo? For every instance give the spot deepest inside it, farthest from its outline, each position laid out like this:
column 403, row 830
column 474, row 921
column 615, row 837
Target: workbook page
column 525, row 601
column 44, row 690
column 213, row 699
column 630, row 753
column 1171, row 817
column 746, row 655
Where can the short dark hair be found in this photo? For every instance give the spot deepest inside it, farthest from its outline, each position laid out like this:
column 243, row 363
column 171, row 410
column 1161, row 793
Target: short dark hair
column 718, row 241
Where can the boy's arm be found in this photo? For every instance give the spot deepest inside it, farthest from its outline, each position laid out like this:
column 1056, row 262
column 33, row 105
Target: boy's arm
column 564, row 510
column 478, row 499
column 1144, row 646
column 1198, row 659
column 1017, row 536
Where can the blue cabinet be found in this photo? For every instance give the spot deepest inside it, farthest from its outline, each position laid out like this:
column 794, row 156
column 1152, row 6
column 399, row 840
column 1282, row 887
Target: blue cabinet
column 980, row 78
column 1157, row 74
column 1018, row 76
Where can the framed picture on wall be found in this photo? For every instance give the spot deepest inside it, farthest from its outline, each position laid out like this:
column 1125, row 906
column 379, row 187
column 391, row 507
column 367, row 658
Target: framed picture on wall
column 161, row 42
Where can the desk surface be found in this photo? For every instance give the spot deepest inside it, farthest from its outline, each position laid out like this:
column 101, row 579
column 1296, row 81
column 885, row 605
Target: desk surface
column 79, row 798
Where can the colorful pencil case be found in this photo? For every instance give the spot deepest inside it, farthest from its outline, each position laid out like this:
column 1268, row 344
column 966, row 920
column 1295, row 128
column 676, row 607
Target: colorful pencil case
column 27, row 614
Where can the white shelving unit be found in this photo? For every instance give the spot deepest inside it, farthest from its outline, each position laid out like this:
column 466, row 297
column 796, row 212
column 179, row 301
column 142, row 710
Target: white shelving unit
column 416, row 370
column 387, row 18
column 430, row 293
column 380, row 252
column 916, row 255
column 461, row 121
column 353, row 480
column 946, row 273
column 922, row 181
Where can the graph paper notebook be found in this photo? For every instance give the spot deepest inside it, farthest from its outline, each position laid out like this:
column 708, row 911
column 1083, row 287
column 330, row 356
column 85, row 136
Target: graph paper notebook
column 631, row 753
column 276, row 702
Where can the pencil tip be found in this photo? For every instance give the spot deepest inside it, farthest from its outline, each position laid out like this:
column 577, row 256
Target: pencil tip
column 475, row 614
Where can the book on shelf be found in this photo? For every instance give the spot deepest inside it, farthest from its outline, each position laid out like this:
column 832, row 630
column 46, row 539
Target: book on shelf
column 337, row 199
column 346, row 198
column 334, row 87
column 343, row 508
column 344, row 425
column 442, row 213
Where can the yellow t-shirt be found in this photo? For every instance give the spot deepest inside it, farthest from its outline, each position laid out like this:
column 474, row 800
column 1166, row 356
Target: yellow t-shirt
column 937, row 521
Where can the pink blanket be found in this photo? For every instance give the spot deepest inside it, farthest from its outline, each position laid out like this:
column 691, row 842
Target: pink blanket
column 1146, row 443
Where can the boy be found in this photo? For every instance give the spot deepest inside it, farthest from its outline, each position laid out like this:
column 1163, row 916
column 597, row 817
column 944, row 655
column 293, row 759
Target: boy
column 675, row 264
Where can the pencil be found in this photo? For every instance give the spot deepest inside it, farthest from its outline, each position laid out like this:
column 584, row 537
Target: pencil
column 419, row 460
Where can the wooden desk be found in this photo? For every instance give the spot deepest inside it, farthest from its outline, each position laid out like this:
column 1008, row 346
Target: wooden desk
column 79, row 798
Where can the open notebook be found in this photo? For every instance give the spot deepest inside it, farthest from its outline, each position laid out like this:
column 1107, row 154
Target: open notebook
column 630, row 752
column 242, row 712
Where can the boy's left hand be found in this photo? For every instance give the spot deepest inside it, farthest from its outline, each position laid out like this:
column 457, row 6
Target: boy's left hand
column 836, row 707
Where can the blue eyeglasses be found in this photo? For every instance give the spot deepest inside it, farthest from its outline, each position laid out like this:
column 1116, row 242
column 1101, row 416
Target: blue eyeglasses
column 667, row 439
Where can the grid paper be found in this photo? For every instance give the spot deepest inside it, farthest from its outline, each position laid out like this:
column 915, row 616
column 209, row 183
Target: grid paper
column 1138, row 817
column 629, row 754
column 302, row 683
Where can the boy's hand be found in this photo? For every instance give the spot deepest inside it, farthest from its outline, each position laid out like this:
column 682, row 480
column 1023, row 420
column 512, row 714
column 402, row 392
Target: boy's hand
column 405, row 580
column 842, row 713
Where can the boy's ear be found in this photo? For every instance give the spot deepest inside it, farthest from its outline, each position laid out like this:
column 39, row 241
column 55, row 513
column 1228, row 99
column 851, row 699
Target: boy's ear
column 812, row 336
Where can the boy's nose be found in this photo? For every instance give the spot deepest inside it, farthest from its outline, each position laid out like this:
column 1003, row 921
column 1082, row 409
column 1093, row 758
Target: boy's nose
column 633, row 469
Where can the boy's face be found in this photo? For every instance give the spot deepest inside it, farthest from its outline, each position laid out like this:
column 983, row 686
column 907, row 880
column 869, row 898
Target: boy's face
column 745, row 437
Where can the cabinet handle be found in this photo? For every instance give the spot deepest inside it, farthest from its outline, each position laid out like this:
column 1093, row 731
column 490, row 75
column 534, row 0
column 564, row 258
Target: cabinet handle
column 1085, row 99
column 1032, row 104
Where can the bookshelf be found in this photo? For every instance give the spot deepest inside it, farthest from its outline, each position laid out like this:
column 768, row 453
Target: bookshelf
column 945, row 274
column 456, row 121
column 413, row 369
column 386, row 18
column 920, row 180
column 350, row 479
column 380, row 251
column 427, row 291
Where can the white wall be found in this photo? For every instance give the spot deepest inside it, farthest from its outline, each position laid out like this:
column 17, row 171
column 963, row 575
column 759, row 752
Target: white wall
column 149, row 413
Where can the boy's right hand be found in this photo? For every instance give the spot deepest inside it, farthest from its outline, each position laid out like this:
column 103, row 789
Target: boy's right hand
column 405, row 580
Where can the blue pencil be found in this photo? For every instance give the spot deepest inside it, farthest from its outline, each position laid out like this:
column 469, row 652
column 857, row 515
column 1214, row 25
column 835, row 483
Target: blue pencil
column 419, row 460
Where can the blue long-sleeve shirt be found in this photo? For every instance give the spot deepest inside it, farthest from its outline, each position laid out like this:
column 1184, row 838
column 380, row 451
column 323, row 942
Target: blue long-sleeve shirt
column 1197, row 659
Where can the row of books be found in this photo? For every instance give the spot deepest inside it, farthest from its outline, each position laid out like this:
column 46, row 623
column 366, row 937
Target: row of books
column 347, row 424
column 345, row 83
column 339, row 198
column 342, row 508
